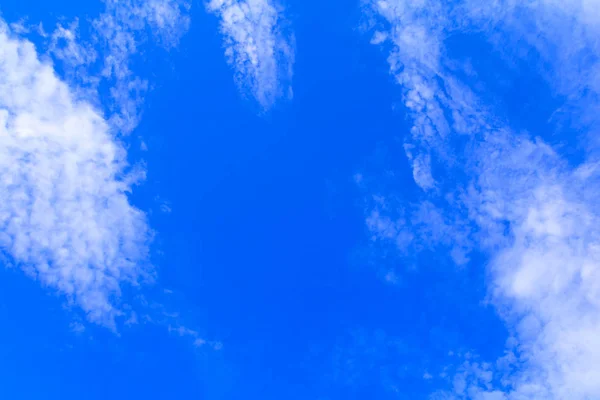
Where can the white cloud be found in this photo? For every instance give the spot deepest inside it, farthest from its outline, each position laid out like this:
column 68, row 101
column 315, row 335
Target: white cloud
column 563, row 37
column 415, row 32
column 536, row 215
column 122, row 29
column 113, row 41
column 414, row 228
column 65, row 216
column 77, row 327
column 66, row 48
column 548, row 274
column 197, row 341
column 257, row 46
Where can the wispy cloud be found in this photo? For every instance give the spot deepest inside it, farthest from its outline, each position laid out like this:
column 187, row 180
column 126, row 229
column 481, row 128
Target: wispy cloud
column 197, row 341
column 65, row 215
column 258, row 46
column 105, row 53
column 415, row 227
column 533, row 211
column 121, row 29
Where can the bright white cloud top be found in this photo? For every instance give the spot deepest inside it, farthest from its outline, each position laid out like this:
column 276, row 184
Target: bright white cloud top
column 65, row 215
column 535, row 213
column 258, row 47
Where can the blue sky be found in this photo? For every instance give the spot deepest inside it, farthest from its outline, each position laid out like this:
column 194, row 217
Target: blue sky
column 269, row 199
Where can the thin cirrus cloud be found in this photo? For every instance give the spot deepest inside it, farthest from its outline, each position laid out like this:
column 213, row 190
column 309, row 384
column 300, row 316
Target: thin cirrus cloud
column 65, row 212
column 258, row 47
column 522, row 202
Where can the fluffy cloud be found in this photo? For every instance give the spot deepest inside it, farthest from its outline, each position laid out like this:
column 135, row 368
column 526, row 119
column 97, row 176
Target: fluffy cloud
column 65, row 215
column 549, row 272
column 257, row 47
column 533, row 212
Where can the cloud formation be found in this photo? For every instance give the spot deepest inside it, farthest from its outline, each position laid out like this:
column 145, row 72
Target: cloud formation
column 65, row 216
column 111, row 43
column 528, row 207
column 258, row 47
